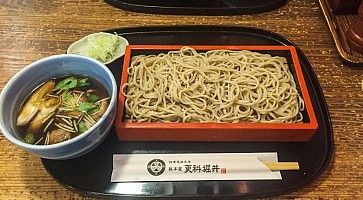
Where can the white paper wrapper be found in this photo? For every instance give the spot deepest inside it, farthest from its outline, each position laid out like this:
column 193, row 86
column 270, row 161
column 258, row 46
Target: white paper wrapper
column 188, row 167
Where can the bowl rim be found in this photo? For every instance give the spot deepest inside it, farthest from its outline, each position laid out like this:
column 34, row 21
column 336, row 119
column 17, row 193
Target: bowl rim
column 14, row 79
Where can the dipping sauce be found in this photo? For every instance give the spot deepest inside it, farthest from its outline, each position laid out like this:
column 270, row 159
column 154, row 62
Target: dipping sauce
column 62, row 108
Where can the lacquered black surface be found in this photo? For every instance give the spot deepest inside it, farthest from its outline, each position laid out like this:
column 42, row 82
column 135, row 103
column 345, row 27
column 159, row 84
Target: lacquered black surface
column 198, row 7
column 91, row 173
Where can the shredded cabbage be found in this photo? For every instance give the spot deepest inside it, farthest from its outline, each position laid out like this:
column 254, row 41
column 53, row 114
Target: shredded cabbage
column 100, row 47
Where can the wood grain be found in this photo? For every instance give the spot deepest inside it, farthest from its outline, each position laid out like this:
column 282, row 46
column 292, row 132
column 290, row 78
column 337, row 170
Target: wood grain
column 33, row 29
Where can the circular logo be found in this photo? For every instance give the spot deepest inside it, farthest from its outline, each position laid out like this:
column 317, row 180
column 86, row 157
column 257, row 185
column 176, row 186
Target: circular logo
column 156, row 167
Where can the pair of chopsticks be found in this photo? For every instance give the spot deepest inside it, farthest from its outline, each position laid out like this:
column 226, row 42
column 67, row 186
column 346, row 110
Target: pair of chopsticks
column 277, row 166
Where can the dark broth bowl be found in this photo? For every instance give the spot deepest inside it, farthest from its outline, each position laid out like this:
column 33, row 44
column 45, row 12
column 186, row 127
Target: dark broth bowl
column 25, row 81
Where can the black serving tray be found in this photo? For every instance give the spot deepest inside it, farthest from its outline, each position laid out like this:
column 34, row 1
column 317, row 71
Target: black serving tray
column 198, row 7
column 91, row 173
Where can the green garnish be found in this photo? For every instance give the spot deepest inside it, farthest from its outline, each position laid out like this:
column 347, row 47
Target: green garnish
column 85, row 107
column 93, row 98
column 29, row 138
column 93, row 110
column 102, row 48
column 82, row 82
column 70, row 83
column 82, row 127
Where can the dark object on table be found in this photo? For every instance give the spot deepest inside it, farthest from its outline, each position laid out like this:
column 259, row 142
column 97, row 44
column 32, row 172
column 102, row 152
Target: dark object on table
column 313, row 156
column 355, row 32
column 338, row 27
column 344, row 6
column 198, row 7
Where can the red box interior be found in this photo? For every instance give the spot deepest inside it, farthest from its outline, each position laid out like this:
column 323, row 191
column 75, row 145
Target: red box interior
column 244, row 131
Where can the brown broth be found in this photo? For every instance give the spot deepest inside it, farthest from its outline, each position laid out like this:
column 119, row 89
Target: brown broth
column 53, row 114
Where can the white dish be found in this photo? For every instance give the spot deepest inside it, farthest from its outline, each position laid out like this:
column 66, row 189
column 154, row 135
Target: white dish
column 86, row 46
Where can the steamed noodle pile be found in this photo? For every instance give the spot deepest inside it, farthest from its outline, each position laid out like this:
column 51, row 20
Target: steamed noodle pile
column 215, row 86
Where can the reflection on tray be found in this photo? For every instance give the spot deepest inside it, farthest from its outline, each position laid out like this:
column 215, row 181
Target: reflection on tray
column 200, row 7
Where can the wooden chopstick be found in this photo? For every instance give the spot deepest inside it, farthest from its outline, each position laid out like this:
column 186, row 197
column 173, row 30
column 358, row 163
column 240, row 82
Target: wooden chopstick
column 277, row 166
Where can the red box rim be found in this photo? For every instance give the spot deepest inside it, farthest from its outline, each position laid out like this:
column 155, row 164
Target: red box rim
column 311, row 125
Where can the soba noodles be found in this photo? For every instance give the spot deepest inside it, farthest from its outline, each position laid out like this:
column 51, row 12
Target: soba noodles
column 215, row 86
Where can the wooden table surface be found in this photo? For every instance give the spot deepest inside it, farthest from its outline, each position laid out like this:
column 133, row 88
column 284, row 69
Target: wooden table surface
column 33, row 29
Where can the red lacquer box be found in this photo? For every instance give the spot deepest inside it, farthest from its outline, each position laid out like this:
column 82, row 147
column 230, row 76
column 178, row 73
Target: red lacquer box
column 243, row 131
